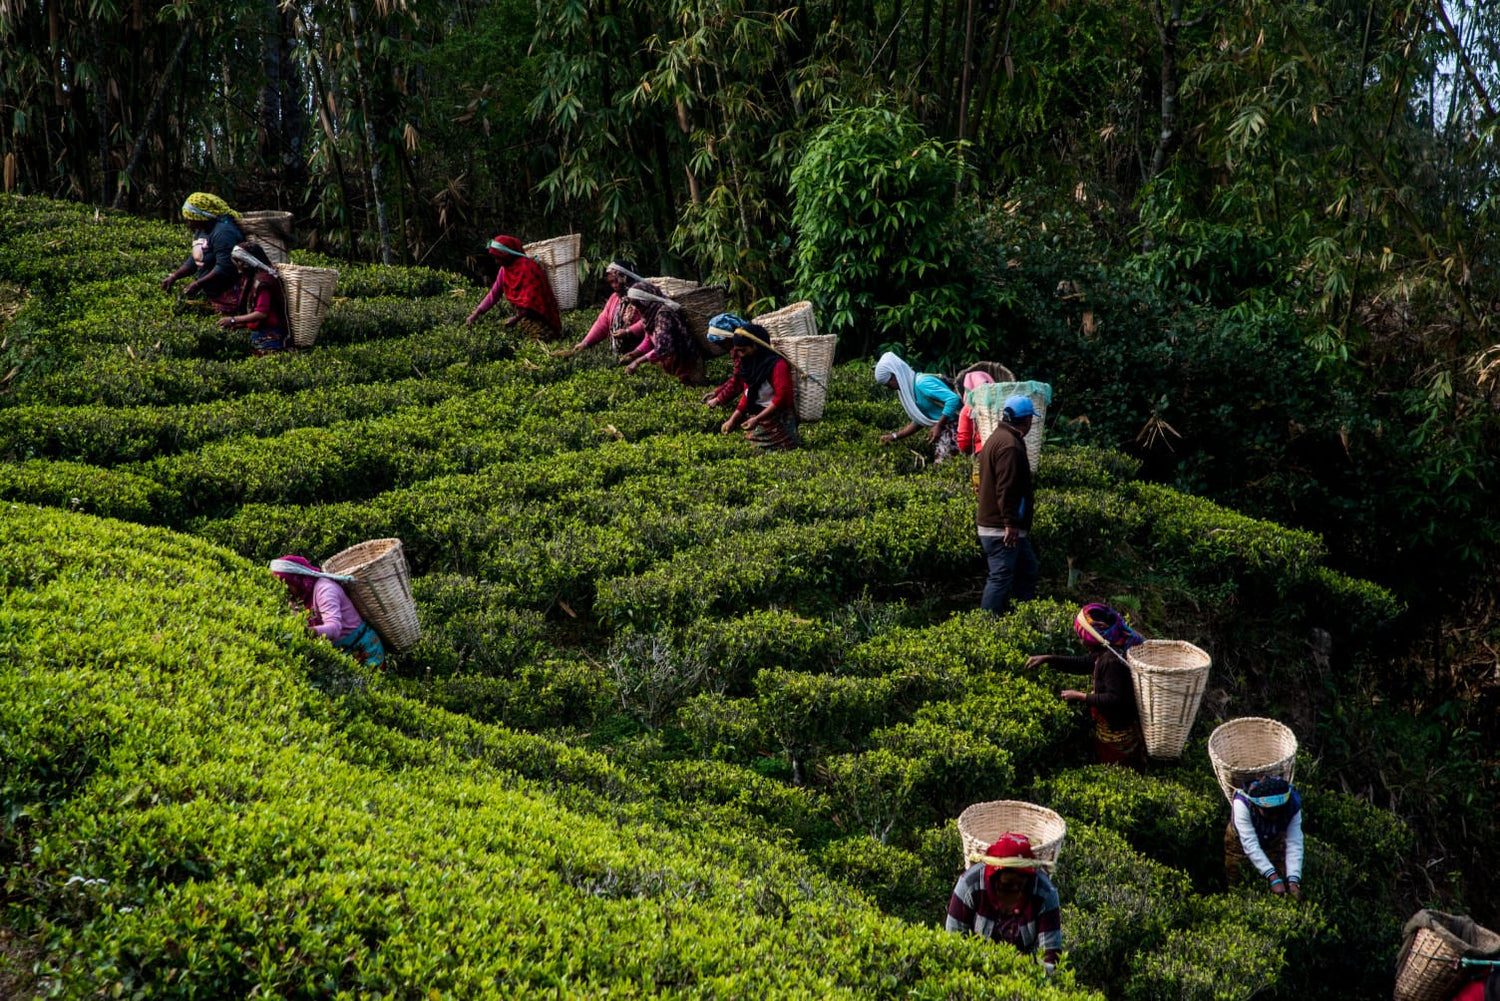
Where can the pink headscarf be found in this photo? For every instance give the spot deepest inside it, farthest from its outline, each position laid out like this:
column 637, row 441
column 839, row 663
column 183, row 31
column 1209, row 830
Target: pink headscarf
column 301, row 585
column 976, row 379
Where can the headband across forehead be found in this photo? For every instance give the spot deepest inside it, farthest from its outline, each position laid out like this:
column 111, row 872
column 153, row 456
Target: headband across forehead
column 1279, row 799
column 1015, row 862
column 620, row 269
column 497, row 245
column 287, row 566
column 641, row 294
column 245, row 257
column 189, row 209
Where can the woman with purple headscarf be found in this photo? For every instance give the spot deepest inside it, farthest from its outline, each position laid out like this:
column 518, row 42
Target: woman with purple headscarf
column 330, row 612
column 1105, row 636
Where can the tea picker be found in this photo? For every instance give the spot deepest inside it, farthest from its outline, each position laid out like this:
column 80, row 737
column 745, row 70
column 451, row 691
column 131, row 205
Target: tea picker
column 1265, row 824
column 1005, row 897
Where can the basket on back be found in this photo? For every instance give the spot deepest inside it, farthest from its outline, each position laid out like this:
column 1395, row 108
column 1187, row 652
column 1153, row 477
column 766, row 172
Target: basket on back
column 985, row 403
column 700, row 303
column 272, row 230
column 309, row 293
column 996, row 371
column 982, row 823
column 381, row 589
column 1249, row 748
column 559, row 258
column 794, row 335
column 1169, row 677
column 1427, row 967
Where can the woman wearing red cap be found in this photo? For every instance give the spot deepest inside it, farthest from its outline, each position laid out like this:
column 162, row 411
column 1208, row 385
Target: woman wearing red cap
column 1005, row 898
column 1117, row 724
column 526, row 287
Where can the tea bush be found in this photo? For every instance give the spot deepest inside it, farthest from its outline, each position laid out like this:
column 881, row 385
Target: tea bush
column 685, row 718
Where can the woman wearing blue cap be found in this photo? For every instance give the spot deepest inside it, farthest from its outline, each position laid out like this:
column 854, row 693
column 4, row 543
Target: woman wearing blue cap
column 1266, row 824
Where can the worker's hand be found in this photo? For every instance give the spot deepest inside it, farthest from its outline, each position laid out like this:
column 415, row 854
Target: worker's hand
column 226, row 322
column 751, row 422
column 470, row 321
column 1278, row 886
column 1072, row 695
column 192, row 288
column 888, row 439
column 630, row 369
column 708, row 397
column 168, row 282
column 1294, row 888
column 1012, row 536
column 933, row 433
column 1032, row 663
column 511, row 321
column 1048, row 968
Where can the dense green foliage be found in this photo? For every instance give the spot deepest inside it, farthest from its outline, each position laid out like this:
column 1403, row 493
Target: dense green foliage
column 685, row 719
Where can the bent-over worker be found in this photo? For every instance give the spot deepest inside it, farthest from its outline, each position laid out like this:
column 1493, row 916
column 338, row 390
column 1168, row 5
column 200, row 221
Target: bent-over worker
column 1004, row 897
column 1265, row 827
column 331, row 614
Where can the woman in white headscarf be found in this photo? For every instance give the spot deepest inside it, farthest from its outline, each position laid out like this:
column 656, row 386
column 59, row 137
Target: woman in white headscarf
column 262, row 302
column 927, row 400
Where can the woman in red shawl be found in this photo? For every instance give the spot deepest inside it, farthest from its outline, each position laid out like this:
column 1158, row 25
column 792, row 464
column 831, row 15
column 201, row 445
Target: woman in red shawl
column 525, row 287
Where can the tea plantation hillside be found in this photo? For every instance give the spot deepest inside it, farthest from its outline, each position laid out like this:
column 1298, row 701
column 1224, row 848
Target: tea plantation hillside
column 685, row 719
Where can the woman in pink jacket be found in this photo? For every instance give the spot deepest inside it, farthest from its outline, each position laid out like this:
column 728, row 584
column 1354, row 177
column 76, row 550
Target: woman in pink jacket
column 331, row 613
column 623, row 327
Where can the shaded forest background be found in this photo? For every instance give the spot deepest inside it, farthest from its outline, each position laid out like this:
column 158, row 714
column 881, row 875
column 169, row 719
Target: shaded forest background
column 1252, row 243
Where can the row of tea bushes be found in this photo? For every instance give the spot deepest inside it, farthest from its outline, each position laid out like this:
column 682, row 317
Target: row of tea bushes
column 187, row 817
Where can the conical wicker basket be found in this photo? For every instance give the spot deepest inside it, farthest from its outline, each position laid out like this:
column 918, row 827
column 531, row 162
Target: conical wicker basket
column 381, row 589
column 559, row 258
column 996, row 371
column 980, row 824
column 1169, row 678
column 1428, row 964
column 309, row 293
column 1249, row 748
column 985, row 403
column 794, row 333
column 673, row 287
column 271, row 229
column 699, row 305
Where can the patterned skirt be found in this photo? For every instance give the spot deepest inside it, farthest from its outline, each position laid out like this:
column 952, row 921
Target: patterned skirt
column 1124, row 746
column 364, row 646
column 269, row 339
column 532, row 325
column 947, row 445
column 777, row 434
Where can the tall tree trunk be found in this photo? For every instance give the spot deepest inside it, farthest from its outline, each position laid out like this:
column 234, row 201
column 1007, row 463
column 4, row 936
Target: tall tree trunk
column 101, row 112
column 1168, row 27
column 321, row 94
column 143, row 134
column 371, row 146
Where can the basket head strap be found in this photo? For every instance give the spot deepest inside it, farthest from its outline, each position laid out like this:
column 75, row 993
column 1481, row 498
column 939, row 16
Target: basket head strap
column 287, row 566
column 1088, row 627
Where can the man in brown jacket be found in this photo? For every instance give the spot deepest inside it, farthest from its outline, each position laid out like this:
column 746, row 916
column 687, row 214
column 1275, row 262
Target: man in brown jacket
column 1005, row 509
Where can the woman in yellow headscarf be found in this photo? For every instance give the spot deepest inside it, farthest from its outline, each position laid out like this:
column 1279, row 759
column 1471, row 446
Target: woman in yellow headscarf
column 213, row 222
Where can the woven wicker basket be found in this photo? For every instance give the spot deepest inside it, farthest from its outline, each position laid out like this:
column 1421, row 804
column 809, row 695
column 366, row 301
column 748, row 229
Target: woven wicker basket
column 309, row 293
column 699, row 305
column 1429, row 968
column 982, row 823
column 272, row 230
column 1169, row 678
column 381, row 589
column 986, row 402
column 794, row 334
column 996, row 371
column 796, row 320
column 559, row 258
column 1249, row 748
column 673, row 287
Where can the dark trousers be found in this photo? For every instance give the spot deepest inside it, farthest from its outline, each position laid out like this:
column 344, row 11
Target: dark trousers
column 1012, row 572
